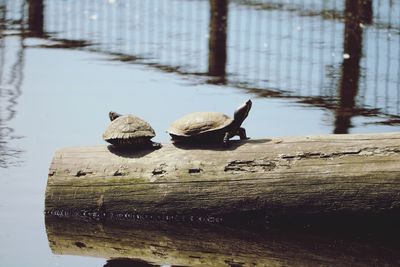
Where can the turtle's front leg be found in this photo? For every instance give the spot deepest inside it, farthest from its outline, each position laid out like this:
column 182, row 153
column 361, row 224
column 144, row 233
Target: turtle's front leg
column 242, row 134
column 226, row 138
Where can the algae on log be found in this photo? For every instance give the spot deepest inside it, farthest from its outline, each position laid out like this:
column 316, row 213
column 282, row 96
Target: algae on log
column 177, row 244
column 283, row 177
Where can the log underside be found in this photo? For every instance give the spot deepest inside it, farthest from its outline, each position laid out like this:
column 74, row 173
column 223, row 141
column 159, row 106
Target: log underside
column 280, row 177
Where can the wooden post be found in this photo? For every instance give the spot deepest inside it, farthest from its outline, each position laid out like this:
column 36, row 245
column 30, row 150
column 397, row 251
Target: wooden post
column 340, row 176
column 217, row 55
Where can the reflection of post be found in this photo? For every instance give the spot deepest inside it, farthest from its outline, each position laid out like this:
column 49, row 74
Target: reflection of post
column 217, row 43
column 366, row 14
column 36, row 18
column 11, row 78
column 350, row 67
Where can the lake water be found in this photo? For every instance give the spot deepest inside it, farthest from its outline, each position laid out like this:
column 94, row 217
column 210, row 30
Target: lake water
column 60, row 75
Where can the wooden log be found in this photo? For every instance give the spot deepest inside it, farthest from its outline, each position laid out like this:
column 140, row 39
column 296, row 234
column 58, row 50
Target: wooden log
column 333, row 175
column 163, row 243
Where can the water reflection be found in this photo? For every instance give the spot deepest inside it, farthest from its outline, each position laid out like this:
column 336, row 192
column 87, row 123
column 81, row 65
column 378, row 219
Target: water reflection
column 343, row 56
column 36, row 17
column 355, row 15
column 11, row 78
column 210, row 245
column 217, row 55
column 325, row 53
column 126, row 262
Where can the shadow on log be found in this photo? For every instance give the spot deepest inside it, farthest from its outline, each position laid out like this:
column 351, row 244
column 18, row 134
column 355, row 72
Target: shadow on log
column 200, row 245
column 330, row 178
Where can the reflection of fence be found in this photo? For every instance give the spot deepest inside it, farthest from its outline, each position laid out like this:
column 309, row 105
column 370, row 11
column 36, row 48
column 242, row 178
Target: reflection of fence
column 287, row 48
column 11, row 76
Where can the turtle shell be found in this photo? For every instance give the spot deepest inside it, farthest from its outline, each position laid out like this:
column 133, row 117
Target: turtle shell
column 198, row 123
column 128, row 130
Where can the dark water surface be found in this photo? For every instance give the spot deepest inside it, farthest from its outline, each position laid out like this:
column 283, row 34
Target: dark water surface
column 307, row 66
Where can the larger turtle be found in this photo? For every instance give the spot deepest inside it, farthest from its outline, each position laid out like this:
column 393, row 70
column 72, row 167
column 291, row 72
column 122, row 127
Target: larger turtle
column 210, row 127
column 129, row 131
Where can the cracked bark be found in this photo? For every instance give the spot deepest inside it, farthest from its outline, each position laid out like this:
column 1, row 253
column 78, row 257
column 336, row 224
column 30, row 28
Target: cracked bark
column 330, row 175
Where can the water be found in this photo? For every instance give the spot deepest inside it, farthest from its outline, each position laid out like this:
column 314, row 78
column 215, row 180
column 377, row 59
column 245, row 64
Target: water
column 57, row 86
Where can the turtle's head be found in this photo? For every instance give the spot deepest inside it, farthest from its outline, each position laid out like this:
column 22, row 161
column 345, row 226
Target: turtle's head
column 113, row 115
column 242, row 112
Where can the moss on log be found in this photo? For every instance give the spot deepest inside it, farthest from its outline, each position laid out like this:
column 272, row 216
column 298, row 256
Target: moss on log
column 280, row 177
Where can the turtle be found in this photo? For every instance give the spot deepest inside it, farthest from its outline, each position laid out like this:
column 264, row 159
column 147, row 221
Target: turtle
column 210, row 127
column 129, row 131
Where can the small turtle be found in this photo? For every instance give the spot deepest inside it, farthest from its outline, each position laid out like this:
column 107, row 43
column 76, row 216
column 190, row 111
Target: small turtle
column 210, row 127
column 129, row 131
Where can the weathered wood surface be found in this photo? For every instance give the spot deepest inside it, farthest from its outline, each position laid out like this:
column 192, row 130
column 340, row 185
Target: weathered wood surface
column 324, row 175
column 180, row 245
